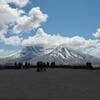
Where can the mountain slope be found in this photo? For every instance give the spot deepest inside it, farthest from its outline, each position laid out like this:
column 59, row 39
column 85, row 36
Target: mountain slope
column 61, row 55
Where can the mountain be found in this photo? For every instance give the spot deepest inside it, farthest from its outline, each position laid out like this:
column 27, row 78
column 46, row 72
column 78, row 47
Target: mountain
column 61, row 55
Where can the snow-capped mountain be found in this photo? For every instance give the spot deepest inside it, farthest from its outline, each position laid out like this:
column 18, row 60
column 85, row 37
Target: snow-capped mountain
column 30, row 52
column 61, row 55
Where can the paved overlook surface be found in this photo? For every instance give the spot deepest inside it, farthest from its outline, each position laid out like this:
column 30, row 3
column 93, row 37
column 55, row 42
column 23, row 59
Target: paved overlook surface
column 54, row 84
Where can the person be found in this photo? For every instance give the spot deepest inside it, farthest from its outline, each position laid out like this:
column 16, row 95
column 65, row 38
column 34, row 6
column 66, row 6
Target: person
column 38, row 66
column 26, row 64
column 15, row 65
column 48, row 65
column 89, row 65
column 41, row 66
column 44, row 67
column 19, row 65
column 52, row 64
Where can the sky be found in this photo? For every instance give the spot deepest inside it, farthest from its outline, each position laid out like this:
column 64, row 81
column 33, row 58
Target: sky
column 30, row 22
column 71, row 17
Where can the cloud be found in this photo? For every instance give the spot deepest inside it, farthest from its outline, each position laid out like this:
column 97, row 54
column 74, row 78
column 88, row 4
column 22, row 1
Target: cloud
column 5, row 52
column 8, row 15
column 40, row 38
column 88, row 46
column 37, row 16
column 97, row 34
column 2, row 32
column 20, row 3
column 34, row 20
column 13, row 40
column 78, row 43
column 22, row 23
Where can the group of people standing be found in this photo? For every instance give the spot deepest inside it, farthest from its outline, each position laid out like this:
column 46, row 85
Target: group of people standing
column 41, row 66
column 20, row 65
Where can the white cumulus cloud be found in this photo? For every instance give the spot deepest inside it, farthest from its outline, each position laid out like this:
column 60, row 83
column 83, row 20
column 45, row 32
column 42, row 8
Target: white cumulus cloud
column 88, row 46
column 34, row 20
column 78, row 43
column 13, row 40
column 20, row 3
column 8, row 15
column 37, row 16
column 97, row 33
column 31, row 20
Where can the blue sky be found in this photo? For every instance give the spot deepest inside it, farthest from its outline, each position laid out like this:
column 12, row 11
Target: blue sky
column 73, row 19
